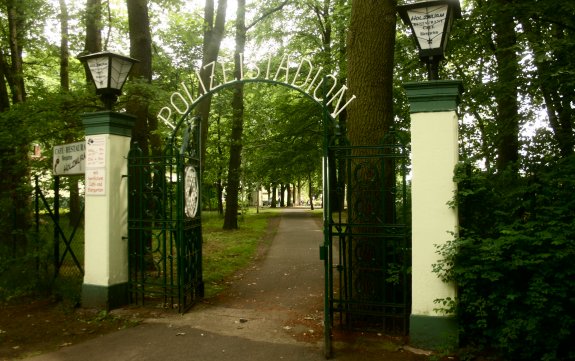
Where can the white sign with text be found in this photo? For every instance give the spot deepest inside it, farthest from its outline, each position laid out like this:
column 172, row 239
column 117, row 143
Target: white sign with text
column 69, row 159
column 96, row 147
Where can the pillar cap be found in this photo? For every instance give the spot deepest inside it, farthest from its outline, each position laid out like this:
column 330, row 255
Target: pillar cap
column 108, row 122
column 434, row 96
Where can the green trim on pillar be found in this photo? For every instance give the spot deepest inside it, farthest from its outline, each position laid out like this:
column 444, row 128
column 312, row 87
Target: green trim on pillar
column 434, row 96
column 433, row 332
column 105, row 297
column 108, row 122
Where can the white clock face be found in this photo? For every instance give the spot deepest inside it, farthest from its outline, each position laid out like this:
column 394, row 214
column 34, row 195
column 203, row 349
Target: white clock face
column 191, row 189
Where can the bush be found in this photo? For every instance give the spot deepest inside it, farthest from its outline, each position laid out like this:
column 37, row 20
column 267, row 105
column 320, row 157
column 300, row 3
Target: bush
column 513, row 262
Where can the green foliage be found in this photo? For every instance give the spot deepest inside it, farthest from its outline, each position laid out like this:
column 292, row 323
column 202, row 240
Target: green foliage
column 513, row 261
column 23, row 274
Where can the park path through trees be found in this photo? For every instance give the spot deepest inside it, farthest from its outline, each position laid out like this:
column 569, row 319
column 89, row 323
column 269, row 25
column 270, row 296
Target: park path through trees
column 280, row 297
column 272, row 311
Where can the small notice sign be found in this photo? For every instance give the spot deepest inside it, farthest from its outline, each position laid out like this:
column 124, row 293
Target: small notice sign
column 96, row 151
column 96, row 165
column 69, row 159
column 96, row 181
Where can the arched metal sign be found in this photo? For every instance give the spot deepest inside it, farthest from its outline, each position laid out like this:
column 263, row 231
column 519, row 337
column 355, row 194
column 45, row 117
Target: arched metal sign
column 183, row 233
column 301, row 76
column 366, row 257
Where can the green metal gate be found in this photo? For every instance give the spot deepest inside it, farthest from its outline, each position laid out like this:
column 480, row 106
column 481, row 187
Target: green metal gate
column 367, row 242
column 367, row 247
column 164, row 223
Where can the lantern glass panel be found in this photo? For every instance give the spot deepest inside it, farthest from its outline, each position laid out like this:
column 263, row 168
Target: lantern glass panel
column 99, row 70
column 428, row 25
column 119, row 72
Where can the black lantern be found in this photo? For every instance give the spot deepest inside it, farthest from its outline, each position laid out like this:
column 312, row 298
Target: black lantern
column 430, row 23
column 109, row 72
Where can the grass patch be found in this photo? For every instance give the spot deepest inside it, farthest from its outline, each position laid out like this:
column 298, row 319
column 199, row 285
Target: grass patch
column 226, row 252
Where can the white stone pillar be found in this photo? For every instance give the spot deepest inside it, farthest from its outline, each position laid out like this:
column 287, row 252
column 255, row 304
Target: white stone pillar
column 434, row 151
column 108, row 136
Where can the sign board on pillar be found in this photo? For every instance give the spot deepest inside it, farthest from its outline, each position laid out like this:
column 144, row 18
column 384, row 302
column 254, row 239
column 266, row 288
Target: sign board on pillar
column 96, row 182
column 96, row 165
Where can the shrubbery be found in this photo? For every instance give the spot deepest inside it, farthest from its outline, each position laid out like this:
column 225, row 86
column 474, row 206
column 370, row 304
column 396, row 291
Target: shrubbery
column 514, row 262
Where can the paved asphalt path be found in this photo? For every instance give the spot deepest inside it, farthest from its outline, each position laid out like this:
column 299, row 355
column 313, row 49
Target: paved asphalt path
column 273, row 311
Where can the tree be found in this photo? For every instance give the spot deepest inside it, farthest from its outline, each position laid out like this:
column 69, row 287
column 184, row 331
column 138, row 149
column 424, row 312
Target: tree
column 507, row 116
column 369, row 74
column 93, row 23
column 234, row 168
column 549, row 29
column 213, row 34
column 14, row 148
column 75, row 207
column 138, row 104
column 370, row 78
column 233, row 184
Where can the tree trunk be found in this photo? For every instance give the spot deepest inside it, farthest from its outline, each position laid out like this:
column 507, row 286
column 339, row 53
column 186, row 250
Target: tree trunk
column 143, row 132
column 220, row 188
column 310, row 194
column 298, row 192
column 370, row 48
column 15, row 32
column 4, row 73
column 556, row 95
column 220, row 192
column 93, row 41
column 370, row 75
column 274, row 198
column 507, row 118
column 282, row 195
column 234, row 168
column 141, row 49
column 15, row 167
column 370, row 78
column 75, row 207
column 213, row 35
column 64, row 49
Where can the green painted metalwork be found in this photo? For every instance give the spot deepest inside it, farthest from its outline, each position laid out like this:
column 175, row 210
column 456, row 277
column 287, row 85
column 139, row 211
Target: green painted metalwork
column 368, row 237
column 165, row 243
column 366, row 250
column 434, row 96
column 108, row 122
column 66, row 258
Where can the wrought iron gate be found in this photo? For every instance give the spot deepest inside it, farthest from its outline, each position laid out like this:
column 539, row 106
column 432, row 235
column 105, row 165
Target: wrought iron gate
column 164, row 223
column 367, row 243
column 367, row 248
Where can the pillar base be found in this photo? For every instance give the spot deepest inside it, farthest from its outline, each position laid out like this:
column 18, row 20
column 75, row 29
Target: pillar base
column 105, row 297
column 433, row 332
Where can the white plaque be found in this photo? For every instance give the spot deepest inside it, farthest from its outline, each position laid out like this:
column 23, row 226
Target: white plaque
column 96, row 151
column 69, row 159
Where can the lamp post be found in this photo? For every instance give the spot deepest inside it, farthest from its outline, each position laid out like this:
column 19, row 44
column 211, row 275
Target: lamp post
column 434, row 155
column 430, row 23
column 109, row 72
column 108, row 136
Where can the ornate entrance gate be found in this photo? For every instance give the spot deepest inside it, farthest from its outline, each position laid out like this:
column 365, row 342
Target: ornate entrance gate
column 366, row 250
column 367, row 247
column 164, row 223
